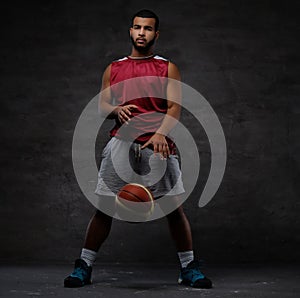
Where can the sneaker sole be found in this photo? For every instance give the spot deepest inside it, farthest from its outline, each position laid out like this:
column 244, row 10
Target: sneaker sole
column 70, row 285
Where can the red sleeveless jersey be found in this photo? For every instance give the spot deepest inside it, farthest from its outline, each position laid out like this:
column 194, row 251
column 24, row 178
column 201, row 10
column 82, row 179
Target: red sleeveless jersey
column 142, row 82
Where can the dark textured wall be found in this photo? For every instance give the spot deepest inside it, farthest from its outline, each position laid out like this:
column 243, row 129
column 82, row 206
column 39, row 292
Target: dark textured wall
column 243, row 56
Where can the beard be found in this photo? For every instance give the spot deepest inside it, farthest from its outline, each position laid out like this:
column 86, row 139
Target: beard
column 145, row 48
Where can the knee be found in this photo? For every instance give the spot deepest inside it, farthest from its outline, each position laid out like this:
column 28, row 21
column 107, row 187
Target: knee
column 177, row 214
column 101, row 215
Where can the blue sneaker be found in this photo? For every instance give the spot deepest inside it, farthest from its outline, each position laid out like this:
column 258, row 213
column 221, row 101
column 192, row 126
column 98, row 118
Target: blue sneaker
column 193, row 277
column 81, row 275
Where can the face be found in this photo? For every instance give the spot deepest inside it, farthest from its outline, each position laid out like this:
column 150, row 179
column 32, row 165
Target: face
column 143, row 34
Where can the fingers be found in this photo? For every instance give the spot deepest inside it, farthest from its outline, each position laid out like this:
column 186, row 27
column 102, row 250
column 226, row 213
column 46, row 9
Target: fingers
column 161, row 148
column 124, row 113
column 146, row 144
column 132, row 107
column 166, row 151
column 123, row 117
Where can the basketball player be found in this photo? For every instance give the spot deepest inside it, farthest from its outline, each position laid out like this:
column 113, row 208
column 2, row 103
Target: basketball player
column 141, row 62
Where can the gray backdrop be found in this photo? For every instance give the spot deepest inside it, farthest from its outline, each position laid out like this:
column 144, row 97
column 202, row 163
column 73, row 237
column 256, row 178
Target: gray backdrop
column 243, row 56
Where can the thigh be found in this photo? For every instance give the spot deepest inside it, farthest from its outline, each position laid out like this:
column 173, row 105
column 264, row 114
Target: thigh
column 164, row 176
column 115, row 170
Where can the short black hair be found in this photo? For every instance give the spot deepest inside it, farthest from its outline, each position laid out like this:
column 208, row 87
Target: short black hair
column 146, row 13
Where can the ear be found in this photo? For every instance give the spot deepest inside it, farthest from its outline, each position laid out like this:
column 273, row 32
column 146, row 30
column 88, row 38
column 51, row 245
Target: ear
column 156, row 35
column 130, row 30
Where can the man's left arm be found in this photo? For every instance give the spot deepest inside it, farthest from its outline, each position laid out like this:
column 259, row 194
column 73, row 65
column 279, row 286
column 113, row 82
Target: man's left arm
column 158, row 140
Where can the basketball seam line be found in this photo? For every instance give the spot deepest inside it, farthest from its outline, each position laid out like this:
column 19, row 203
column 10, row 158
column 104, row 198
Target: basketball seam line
column 132, row 195
column 145, row 189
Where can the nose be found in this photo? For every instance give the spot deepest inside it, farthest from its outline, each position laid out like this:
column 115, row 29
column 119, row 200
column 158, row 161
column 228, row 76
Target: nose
column 142, row 32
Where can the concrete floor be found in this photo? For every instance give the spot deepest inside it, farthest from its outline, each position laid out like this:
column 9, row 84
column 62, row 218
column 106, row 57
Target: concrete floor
column 119, row 280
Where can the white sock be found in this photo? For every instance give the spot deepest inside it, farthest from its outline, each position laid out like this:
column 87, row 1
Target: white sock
column 185, row 257
column 89, row 256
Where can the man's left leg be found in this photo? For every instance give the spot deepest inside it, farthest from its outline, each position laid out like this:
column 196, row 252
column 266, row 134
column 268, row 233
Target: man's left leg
column 181, row 233
column 180, row 230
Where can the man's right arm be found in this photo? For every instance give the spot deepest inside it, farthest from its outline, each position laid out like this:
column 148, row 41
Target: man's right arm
column 106, row 108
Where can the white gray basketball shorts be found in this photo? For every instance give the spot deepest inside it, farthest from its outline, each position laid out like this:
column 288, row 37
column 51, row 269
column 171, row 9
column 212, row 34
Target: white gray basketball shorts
column 124, row 162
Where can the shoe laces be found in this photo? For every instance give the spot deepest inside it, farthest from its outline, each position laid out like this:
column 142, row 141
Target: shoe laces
column 193, row 268
column 80, row 272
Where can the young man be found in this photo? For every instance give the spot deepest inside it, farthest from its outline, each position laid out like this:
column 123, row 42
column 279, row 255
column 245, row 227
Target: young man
column 141, row 63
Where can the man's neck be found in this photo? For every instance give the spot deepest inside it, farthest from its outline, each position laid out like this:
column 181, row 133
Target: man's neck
column 140, row 54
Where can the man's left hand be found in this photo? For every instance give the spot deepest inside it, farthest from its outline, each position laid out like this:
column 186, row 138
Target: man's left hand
column 159, row 144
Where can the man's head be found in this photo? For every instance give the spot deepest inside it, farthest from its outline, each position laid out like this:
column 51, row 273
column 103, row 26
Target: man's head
column 144, row 30
column 146, row 13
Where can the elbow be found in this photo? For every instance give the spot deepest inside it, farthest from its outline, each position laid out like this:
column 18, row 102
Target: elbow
column 101, row 109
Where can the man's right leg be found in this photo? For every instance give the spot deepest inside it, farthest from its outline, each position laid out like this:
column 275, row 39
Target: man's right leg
column 97, row 231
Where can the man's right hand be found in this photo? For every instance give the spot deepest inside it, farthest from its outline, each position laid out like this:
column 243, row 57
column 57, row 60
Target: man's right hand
column 123, row 113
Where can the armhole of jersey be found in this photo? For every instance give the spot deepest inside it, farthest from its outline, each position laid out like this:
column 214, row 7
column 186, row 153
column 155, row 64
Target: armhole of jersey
column 111, row 66
column 168, row 65
column 117, row 60
column 163, row 59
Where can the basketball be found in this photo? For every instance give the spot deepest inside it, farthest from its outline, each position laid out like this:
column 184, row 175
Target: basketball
column 134, row 202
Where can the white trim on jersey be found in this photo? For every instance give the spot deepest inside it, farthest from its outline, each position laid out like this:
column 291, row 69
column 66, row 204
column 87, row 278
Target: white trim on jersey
column 155, row 57
column 122, row 59
column 161, row 58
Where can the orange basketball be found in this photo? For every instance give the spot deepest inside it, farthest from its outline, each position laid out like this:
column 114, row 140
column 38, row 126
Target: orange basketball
column 135, row 200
